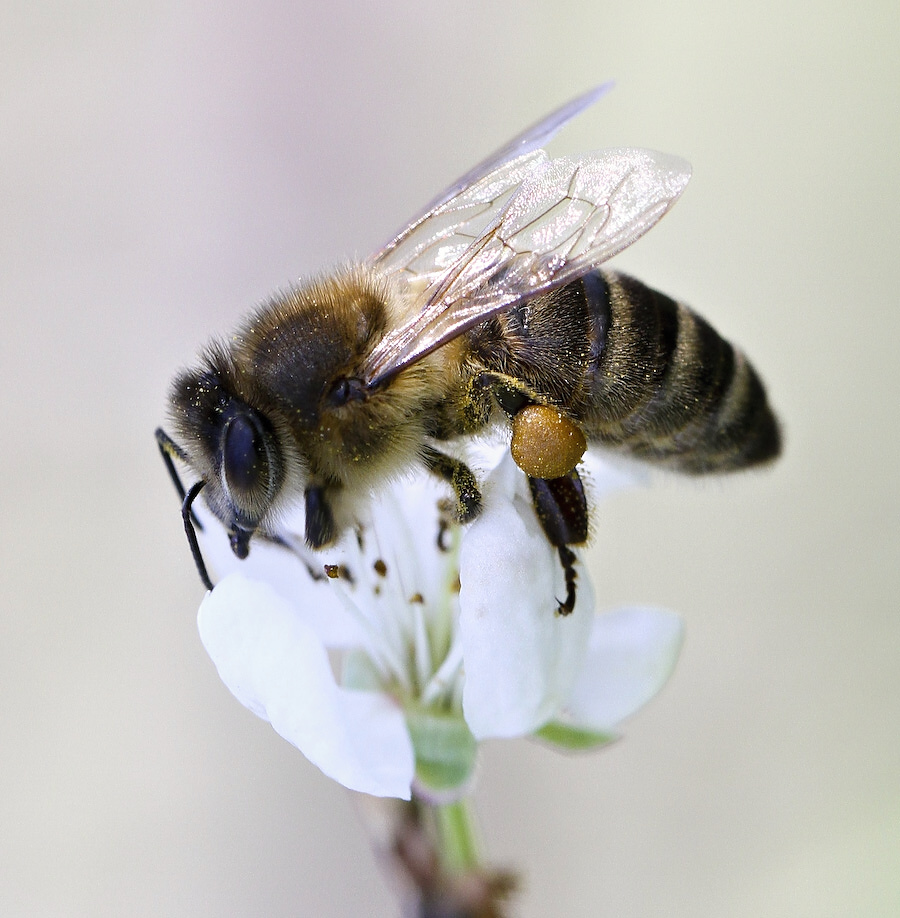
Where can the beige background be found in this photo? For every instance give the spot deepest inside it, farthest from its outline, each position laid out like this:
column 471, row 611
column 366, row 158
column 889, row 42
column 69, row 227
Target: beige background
column 165, row 165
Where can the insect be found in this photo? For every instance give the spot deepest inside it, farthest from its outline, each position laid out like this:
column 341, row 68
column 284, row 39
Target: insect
column 486, row 309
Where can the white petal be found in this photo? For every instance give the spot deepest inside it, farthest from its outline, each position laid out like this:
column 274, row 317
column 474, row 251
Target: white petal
column 631, row 654
column 521, row 658
column 605, row 474
column 276, row 666
column 289, row 574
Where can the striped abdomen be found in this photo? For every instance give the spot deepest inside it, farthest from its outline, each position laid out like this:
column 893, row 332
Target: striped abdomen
column 667, row 388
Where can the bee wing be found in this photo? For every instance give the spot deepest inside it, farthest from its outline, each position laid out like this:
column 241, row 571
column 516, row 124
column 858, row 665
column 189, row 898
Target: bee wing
column 477, row 193
column 428, row 248
column 566, row 216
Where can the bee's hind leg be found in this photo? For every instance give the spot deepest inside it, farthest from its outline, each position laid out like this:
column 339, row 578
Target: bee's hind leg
column 460, row 477
column 561, row 507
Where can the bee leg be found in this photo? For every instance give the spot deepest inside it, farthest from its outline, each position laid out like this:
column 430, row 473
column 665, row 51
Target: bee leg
column 561, row 507
column 567, row 560
column 461, row 479
column 320, row 525
column 511, row 395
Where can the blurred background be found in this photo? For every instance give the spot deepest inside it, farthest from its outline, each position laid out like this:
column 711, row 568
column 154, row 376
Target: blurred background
column 164, row 166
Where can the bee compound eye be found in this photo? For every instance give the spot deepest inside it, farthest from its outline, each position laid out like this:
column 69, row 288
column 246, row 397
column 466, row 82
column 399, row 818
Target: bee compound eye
column 245, row 459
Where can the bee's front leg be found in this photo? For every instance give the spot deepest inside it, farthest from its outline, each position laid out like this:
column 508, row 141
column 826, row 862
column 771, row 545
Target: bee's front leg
column 461, row 479
column 321, row 528
column 562, row 509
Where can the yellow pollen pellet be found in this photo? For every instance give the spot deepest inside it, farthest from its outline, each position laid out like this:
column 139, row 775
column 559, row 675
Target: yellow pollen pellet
column 545, row 443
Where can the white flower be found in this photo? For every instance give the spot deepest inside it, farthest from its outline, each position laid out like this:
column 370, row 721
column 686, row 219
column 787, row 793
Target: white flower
column 431, row 639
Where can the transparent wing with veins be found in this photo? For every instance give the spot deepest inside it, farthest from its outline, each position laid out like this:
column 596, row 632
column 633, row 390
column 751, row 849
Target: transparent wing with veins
column 528, row 226
column 428, row 249
column 480, row 190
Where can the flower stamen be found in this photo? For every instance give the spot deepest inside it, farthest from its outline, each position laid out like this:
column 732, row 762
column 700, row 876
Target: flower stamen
column 446, row 676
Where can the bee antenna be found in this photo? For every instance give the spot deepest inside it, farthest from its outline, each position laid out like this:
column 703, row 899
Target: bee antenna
column 188, row 517
column 168, row 449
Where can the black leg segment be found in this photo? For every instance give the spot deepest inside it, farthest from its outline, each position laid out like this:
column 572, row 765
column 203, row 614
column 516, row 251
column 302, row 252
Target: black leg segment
column 320, row 525
column 461, row 479
column 561, row 507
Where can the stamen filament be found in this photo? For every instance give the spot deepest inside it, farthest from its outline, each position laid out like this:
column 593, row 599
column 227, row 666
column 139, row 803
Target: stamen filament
column 421, row 649
column 383, row 655
column 446, row 676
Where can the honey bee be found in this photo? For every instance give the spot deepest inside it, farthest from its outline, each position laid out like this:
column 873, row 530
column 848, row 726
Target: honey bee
column 487, row 309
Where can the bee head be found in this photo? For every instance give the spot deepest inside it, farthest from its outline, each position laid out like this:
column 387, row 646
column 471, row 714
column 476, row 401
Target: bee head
column 231, row 446
column 282, row 411
column 301, row 357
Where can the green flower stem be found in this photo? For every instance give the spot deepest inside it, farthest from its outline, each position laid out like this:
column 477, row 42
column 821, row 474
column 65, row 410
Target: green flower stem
column 456, row 836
